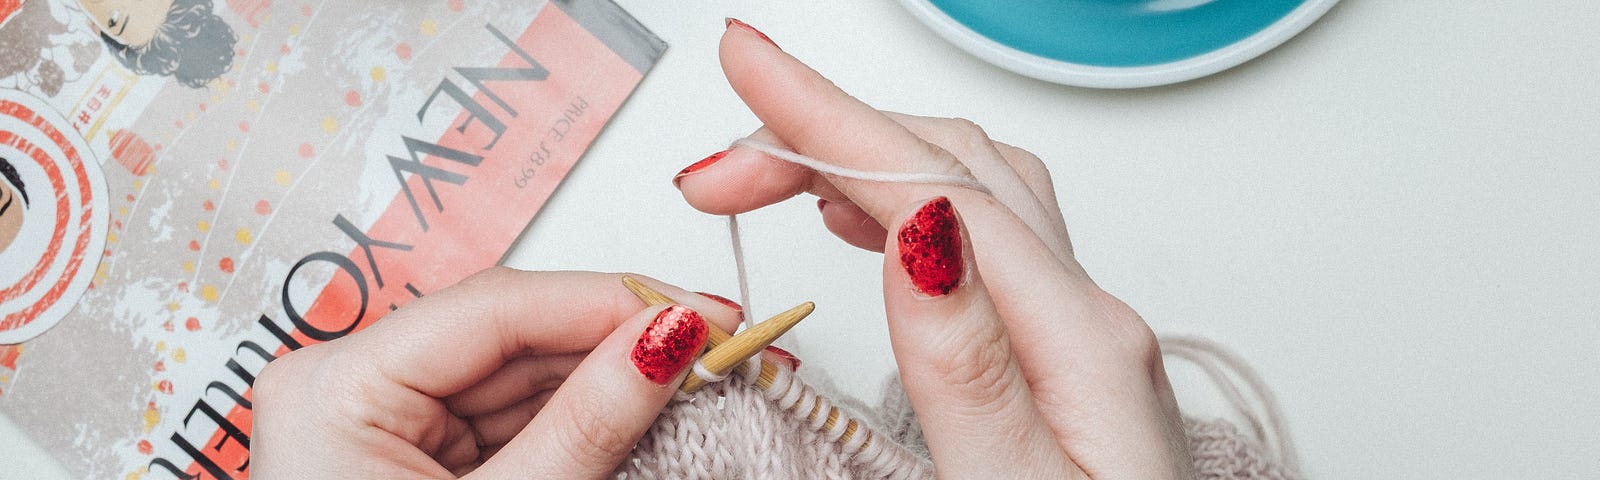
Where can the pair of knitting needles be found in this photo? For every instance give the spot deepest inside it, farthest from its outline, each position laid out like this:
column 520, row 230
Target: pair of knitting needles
column 727, row 353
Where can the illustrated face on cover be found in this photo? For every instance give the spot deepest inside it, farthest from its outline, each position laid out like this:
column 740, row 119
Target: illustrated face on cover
column 183, row 39
column 53, row 220
column 13, row 203
column 131, row 22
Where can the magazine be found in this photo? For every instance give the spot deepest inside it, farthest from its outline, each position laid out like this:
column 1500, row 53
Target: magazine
column 195, row 187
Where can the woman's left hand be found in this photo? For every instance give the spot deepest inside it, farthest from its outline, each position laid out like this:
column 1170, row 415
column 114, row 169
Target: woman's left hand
column 508, row 374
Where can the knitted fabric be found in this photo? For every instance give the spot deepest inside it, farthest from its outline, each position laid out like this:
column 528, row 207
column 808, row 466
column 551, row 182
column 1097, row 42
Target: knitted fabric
column 1222, row 452
column 735, row 430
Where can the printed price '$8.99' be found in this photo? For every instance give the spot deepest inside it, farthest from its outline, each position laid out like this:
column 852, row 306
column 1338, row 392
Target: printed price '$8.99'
column 557, row 133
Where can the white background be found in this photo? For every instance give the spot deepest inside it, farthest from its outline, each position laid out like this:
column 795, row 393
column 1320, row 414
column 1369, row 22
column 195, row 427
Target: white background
column 1395, row 216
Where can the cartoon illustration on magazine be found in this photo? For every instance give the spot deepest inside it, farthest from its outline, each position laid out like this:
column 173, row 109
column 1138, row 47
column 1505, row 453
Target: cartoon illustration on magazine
column 50, row 43
column 53, row 220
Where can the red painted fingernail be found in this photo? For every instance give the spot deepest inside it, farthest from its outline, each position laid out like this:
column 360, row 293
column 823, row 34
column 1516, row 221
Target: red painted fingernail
column 700, row 165
column 669, row 344
column 730, row 21
column 723, row 300
column 930, row 248
column 793, row 361
column 821, row 203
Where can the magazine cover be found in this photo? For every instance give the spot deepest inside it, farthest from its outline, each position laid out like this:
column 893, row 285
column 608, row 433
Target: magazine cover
column 190, row 188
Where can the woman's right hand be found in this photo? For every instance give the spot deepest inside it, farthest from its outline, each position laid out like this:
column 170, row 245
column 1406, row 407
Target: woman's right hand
column 1011, row 355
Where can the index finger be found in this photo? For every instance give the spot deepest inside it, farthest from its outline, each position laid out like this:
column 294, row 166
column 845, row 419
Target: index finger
column 447, row 341
column 809, row 113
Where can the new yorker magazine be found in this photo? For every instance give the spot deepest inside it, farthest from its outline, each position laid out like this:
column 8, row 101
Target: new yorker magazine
column 191, row 188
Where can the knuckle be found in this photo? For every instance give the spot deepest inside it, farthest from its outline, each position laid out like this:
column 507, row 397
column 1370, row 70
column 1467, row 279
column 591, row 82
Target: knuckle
column 975, row 367
column 1131, row 339
column 314, row 374
column 947, row 160
column 1028, row 166
column 592, row 439
column 966, row 128
column 280, row 374
column 352, row 394
column 1139, row 345
column 965, row 137
column 270, row 382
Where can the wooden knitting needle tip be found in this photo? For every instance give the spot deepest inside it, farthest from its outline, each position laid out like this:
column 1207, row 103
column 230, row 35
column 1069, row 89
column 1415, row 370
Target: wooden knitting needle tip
column 750, row 342
column 649, row 295
column 715, row 336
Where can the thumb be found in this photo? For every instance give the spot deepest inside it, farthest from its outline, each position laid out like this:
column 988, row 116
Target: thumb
column 596, row 416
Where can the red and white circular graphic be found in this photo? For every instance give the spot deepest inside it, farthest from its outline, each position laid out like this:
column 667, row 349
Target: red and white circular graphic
column 53, row 216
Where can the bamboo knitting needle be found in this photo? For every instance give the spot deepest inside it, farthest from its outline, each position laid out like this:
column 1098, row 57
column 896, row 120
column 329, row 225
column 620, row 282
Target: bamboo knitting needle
column 753, row 340
column 750, row 342
column 714, row 334
column 769, row 371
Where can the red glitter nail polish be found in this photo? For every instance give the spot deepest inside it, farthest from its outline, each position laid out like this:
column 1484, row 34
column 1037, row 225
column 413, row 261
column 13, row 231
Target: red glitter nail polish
column 700, row 165
column 793, row 361
column 669, row 344
column 730, row 21
column 930, row 248
column 723, row 300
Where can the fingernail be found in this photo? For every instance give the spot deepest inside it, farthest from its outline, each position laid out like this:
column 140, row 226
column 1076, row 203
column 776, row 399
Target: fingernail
column 793, row 361
column 669, row 344
column 700, row 165
column 821, row 203
column 730, row 21
column 723, row 300
column 930, row 248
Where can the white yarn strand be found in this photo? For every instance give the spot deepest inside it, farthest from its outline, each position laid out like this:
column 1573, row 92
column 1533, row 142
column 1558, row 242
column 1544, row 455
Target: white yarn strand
column 753, row 367
column 882, row 177
column 738, row 263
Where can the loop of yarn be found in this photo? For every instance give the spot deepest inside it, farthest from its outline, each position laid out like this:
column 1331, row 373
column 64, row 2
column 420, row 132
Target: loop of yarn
column 1252, row 401
column 706, row 374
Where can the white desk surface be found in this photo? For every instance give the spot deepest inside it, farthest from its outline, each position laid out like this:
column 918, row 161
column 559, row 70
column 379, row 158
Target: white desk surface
column 1395, row 216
